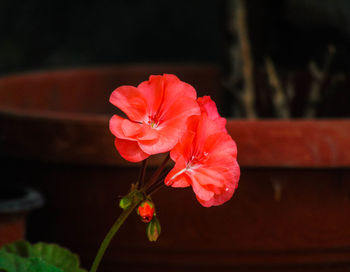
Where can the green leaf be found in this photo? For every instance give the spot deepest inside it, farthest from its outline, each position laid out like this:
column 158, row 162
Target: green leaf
column 21, row 256
column 58, row 256
column 21, row 248
column 38, row 265
column 10, row 262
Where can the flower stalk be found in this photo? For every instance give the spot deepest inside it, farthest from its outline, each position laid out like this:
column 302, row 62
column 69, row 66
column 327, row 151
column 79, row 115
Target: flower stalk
column 141, row 178
column 137, row 197
column 128, row 204
column 155, row 176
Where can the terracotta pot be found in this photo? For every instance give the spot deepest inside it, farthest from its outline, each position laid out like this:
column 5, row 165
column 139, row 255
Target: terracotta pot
column 290, row 212
column 15, row 204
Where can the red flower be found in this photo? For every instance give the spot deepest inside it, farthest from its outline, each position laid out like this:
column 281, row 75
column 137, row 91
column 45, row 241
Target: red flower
column 146, row 211
column 208, row 107
column 157, row 110
column 205, row 158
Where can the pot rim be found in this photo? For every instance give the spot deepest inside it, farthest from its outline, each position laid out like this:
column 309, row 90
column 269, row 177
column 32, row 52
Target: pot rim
column 30, row 199
column 65, row 136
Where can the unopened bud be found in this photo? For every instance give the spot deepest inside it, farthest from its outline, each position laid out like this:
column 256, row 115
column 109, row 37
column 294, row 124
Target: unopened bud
column 146, row 211
column 125, row 202
column 133, row 196
column 153, row 230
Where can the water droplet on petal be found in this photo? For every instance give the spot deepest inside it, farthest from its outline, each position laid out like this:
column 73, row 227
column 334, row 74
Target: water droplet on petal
column 226, row 189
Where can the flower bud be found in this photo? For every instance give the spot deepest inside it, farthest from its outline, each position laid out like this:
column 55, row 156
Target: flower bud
column 146, row 211
column 153, row 230
column 125, row 202
column 133, row 197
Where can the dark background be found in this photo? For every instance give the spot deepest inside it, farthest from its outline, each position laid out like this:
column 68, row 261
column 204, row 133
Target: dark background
column 39, row 35
column 45, row 34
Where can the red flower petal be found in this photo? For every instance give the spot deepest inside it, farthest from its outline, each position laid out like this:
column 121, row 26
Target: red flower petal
column 183, row 148
column 222, row 149
column 224, row 195
column 131, row 129
column 130, row 101
column 115, row 126
column 166, row 136
column 162, row 91
column 209, row 107
column 176, row 87
column 130, row 150
column 175, row 178
column 200, row 191
column 153, row 93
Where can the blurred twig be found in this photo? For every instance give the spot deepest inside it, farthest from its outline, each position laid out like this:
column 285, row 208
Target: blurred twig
column 318, row 79
column 279, row 98
column 234, row 75
column 290, row 91
column 248, row 95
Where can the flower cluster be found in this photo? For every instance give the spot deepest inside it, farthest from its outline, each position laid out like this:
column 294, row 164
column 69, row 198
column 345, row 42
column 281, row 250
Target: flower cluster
column 163, row 114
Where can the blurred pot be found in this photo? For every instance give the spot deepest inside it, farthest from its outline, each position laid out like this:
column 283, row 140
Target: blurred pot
column 290, row 210
column 15, row 204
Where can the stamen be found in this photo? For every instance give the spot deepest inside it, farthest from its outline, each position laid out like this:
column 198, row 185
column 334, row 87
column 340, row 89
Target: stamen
column 174, row 176
column 152, row 121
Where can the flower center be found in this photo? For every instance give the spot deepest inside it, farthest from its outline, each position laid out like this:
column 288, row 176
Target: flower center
column 196, row 161
column 152, row 121
column 153, row 124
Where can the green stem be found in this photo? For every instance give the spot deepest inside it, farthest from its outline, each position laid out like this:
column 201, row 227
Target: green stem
column 124, row 215
column 155, row 176
column 141, row 179
column 157, row 184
